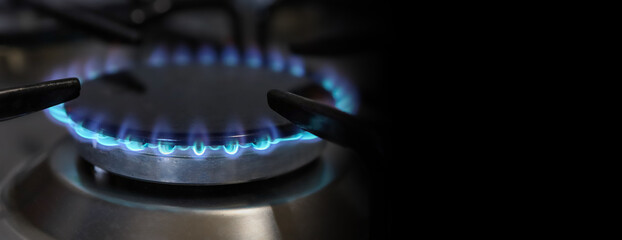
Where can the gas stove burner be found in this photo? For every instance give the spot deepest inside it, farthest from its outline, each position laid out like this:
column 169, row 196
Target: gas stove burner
column 195, row 115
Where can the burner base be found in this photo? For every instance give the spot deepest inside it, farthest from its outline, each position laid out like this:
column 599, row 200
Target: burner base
column 64, row 197
column 216, row 169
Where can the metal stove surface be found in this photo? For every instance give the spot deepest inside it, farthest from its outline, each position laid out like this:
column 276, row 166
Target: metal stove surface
column 60, row 196
column 28, row 137
column 25, row 145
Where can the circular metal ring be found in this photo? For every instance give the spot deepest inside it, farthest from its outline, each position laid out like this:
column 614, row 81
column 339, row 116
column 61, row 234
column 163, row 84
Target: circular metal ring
column 218, row 168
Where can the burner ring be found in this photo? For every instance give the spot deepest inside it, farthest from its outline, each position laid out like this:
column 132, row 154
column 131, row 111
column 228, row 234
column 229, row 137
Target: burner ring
column 219, row 169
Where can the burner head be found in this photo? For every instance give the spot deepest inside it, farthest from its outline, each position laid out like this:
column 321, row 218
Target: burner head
column 188, row 119
column 182, row 105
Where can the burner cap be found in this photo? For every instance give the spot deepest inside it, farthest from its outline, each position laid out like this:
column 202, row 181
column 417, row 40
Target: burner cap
column 184, row 104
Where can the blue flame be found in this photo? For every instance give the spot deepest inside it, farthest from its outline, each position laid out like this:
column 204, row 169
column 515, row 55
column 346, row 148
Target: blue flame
column 75, row 70
column 342, row 93
column 231, row 147
column 199, row 148
column 107, row 140
column 134, row 145
column 197, row 144
column 91, row 69
column 277, row 63
column 262, row 143
column 59, row 114
column 127, row 123
column 230, row 56
column 253, row 57
column 115, row 60
column 207, row 55
column 182, row 55
column 160, row 127
column 158, row 57
column 296, row 67
column 164, row 147
column 111, row 66
column 198, row 134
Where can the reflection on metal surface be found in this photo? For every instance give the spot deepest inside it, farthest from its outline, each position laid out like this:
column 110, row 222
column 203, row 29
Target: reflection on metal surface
column 63, row 197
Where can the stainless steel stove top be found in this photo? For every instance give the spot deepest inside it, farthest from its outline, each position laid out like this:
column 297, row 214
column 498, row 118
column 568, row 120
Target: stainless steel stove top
column 48, row 190
column 58, row 195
